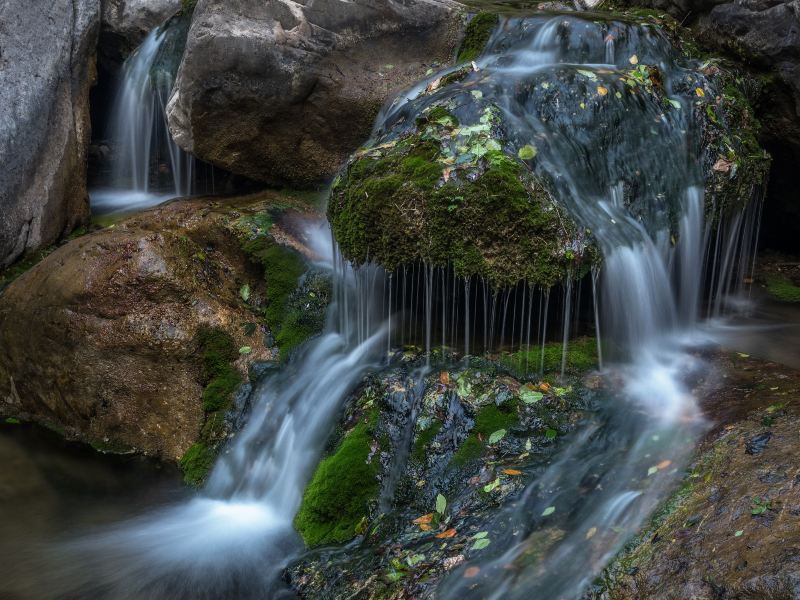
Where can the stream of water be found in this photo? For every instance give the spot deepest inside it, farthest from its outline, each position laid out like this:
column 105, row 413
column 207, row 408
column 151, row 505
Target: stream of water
column 628, row 171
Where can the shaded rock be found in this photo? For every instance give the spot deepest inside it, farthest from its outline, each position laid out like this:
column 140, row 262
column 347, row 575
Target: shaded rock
column 125, row 23
column 130, row 337
column 757, row 444
column 47, row 54
column 285, row 91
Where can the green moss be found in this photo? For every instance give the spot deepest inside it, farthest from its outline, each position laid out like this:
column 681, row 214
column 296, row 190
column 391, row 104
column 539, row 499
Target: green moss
column 196, row 463
column 337, row 497
column 489, row 419
column 497, row 221
column 424, row 438
column 222, row 379
column 581, row 356
column 476, row 35
column 781, row 288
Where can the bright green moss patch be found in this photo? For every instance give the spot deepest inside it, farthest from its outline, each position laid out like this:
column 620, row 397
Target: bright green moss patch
column 581, row 356
column 336, row 499
column 196, row 463
column 489, row 419
column 476, row 35
column 222, row 379
column 781, row 288
column 424, row 438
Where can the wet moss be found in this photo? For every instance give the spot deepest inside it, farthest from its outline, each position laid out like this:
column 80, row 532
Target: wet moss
column 197, row 462
column 782, row 288
column 405, row 205
column 222, row 379
column 581, row 357
column 489, row 419
column 424, row 438
column 476, row 35
column 336, row 500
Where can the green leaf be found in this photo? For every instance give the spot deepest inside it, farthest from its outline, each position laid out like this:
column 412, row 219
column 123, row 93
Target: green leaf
column 528, row 444
column 244, row 292
column 491, row 486
column 739, row 533
column 477, row 94
column 527, row 152
column 463, row 387
column 497, row 436
column 245, row 350
column 674, row 103
column 551, row 434
column 441, row 504
column 529, row 396
column 548, row 511
column 12, row 421
column 588, row 74
column 652, row 471
column 415, row 559
column 481, row 544
column 480, row 535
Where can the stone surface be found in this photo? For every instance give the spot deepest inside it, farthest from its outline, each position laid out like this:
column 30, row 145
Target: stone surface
column 46, row 69
column 100, row 339
column 125, row 23
column 284, row 91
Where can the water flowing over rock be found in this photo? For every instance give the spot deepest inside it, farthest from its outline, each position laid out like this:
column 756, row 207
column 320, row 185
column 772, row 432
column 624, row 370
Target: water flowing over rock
column 46, row 69
column 284, row 91
column 125, row 23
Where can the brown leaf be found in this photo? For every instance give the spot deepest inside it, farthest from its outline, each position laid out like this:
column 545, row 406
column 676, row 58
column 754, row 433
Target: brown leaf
column 424, row 519
column 425, row 527
column 723, row 165
column 512, row 472
column 446, row 534
column 664, row 464
column 444, row 378
column 471, row 572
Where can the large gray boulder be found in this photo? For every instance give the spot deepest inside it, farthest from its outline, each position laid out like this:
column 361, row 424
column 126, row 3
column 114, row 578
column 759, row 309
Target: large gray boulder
column 284, row 91
column 46, row 69
column 125, row 23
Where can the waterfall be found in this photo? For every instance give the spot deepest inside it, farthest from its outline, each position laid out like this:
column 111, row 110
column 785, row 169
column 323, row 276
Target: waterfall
column 148, row 167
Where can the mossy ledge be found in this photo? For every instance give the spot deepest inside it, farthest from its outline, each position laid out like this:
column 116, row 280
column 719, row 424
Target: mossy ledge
column 336, row 500
column 409, row 199
column 476, row 35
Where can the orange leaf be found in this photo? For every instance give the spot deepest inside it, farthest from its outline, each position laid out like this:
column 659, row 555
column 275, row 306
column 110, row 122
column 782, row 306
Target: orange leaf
column 446, row 534
column 444, row 378
column 512, row 472
column 544, row 387
column 425, row 527
column 423, row 519
column 601, row 90
column 471, row 572
column 664, row 464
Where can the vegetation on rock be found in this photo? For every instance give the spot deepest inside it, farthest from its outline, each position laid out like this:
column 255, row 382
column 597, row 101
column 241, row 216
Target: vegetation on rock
column 477, row 33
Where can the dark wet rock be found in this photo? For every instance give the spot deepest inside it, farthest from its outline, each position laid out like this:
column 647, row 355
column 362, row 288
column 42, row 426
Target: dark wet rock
column 285, row 91
column 758, row 443
column 438, row 440
column 47, row 57
column 125, row 23
column 140, row 333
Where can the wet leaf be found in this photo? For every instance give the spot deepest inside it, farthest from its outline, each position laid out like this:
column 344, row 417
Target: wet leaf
column 652, row 471
column 591, row 532
column 664, row 464
column 528, row 444
column 739, row 533
column 441, row 504
column 551, row 434
column 497, row 436
column 700, row 93
column 447, row 534
column 415, row 559
column 603, row 91
column 480, row 534
column 527, row 152
column 491, row 486
column 245, row 350
column 481, row 544
column 425, row 527
column 723, row 165
column 588, row 74
column 618, row 95
column 471, row 572
column 434, row 85
column 548, row 511
column 634, row 60
column 463, row 387
column 444, row 378
column 244, row 292
column 512, row 472
column 529, row 395
column 674, row 103
column 423, row 519
column 477, row 94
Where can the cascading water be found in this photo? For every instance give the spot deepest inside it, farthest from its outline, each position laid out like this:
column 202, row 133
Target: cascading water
column 148, row 166
column 627, row 167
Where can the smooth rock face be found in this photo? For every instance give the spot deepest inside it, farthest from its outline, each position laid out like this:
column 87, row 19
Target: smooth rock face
column 99, row 340
column 284, row 91
column 46, row 69
column 125, row 23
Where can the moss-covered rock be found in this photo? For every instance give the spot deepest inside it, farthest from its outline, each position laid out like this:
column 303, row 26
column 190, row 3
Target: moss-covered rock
column 478, row 31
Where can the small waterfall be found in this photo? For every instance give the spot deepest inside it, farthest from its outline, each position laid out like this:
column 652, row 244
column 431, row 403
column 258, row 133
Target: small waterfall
column 148, row 167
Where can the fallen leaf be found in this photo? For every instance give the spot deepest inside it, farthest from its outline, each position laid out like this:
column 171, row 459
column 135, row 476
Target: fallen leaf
column 481, row 544
column 634, row 60
column 548, row 511
column 497, row 436
column 512, row 472
column 480, row 534
column 245, row 350
column 527, row 152
column 471, row 572
column 588, row 74
column 652, row 471
column 723, row 165
column 591, row 532
column 441, row 503
column 434, row 85
column 423, row 519
column 664, row 464
column 544, row 386
column 601, row 90
column 444, row 378
column 739, row 533
column 491, row 486
column 425, row 527
column 700, row 93
column 446, row 534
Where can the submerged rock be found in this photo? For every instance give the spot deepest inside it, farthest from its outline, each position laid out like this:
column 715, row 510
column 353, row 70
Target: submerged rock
column 135, row 337
column 47, row 54
column 286, row 91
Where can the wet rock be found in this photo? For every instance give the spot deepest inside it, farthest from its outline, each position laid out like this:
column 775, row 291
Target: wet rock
column 125, row 23
column 286, row 91
column 757, row 444
column 136, row 336
column 47, row 53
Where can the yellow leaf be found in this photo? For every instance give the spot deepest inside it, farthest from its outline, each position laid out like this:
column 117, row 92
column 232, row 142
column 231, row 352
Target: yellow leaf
column 590, row 533
column 425, row 527
column 446, row 534
column 664, row 464
column 634, row 60
column 700, row 92
column 423, row 519
column 601, row 90
column 512, row 472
